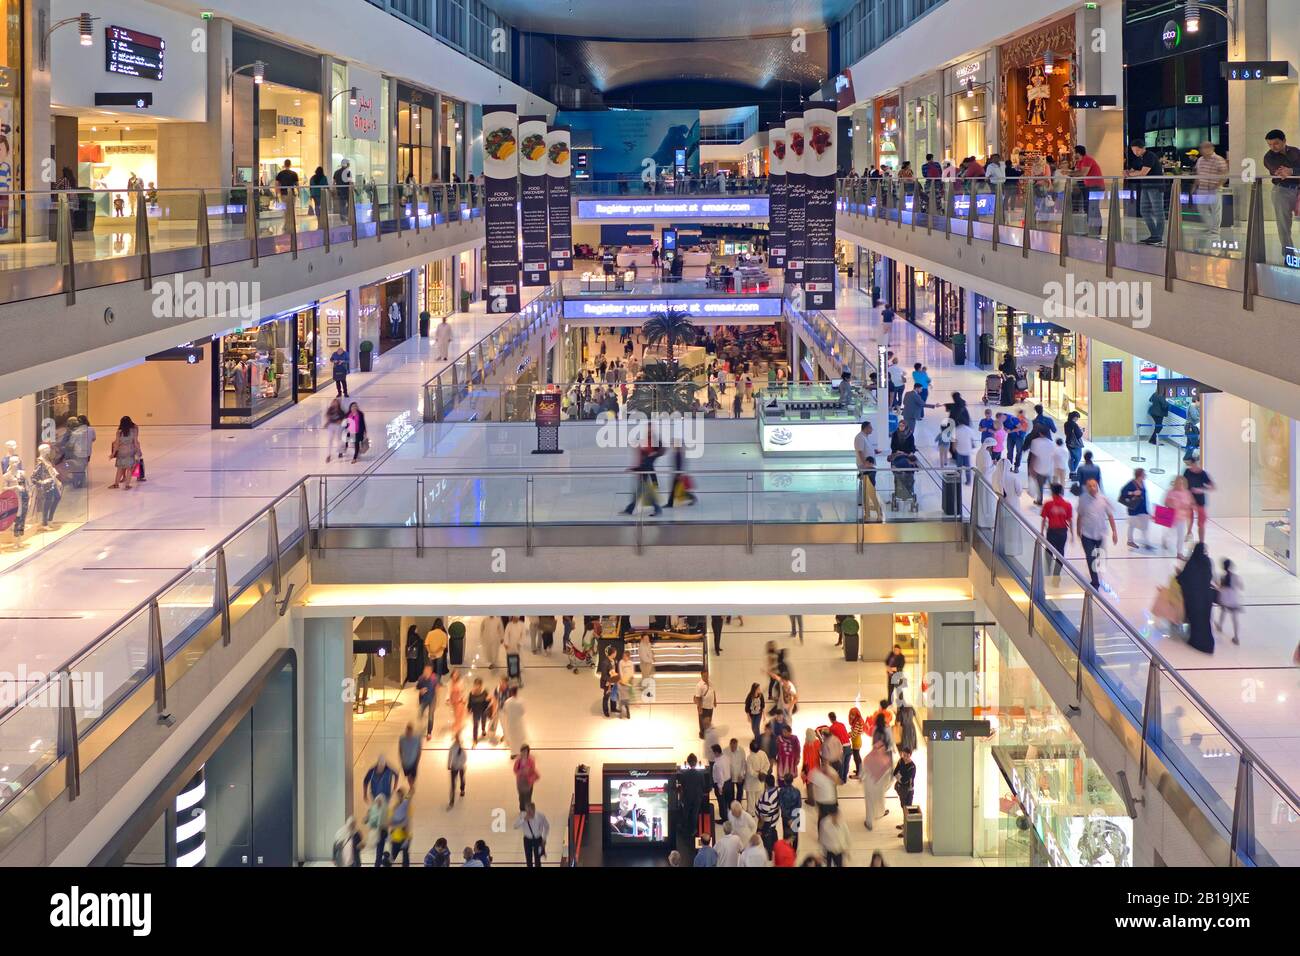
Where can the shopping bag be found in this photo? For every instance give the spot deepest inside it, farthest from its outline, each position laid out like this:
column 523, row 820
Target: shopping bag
column 1164, row 516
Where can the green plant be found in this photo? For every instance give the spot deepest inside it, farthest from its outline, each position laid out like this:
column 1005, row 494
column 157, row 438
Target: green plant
column 367, row 346
column 671, row 327
column 661, row 389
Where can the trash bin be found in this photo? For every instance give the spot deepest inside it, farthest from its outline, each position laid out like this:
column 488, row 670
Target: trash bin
column 913, row 838
column 849, row 630
column 581, row 790
column 456, row 643
column 952, row 494
column 959, row 349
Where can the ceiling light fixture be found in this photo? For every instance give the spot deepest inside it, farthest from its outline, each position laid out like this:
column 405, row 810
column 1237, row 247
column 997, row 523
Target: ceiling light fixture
column 1192, row 16
column 1049, row 61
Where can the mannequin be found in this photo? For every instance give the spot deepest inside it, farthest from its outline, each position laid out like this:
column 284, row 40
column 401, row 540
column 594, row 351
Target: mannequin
column 49, row 488
column 14, row 478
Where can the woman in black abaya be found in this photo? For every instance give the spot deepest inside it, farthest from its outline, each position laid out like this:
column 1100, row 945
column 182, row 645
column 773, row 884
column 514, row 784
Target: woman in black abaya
column 416, row 655
column 1197, row 581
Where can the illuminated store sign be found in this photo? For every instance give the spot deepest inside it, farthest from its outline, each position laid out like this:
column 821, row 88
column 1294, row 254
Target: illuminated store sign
column 754, row 207
column 764, row 308
column 130, row 53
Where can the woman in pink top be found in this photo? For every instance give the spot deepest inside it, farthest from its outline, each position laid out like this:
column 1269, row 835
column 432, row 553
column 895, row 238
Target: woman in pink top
column 999, row 438
column 1179, row 498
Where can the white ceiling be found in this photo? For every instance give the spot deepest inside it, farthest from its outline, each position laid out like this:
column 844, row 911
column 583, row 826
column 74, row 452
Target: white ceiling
column 754, row 62
column 669, row 19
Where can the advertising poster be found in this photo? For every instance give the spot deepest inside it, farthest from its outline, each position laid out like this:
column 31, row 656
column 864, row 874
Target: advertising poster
column 501, row 188
column 637, row 811
column 796, row 192
column 820, row 162
column 532, row 200
column 776, row 197
column 559, row 165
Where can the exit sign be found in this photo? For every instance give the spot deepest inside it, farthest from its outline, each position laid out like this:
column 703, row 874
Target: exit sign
column 1193, row 99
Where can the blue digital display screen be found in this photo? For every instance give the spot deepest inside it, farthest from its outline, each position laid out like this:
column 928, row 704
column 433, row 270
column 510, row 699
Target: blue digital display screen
column 739, row 207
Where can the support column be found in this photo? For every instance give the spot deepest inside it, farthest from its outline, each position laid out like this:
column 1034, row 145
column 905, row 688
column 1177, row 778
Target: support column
column 876, row 636
column 950, row 766
column 327, row 784
column 37, row 174
column 221, row 102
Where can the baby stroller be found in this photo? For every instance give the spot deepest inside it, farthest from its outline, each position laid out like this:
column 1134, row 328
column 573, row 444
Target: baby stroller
column 580, row 656
column 904, row 472
column 993, row 389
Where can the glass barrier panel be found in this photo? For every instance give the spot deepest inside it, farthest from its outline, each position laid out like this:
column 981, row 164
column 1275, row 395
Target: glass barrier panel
column 372, row 501
column 1052, row 199
column 1189, row 742
column 1144, row 206
column 270, row 205
column 1277, row 824
column 590, row 498
column 804, row 497
column 1214, row 218
column 288, row 519
column 110, row 672
column 187, row 605
column 1122, row 664
column 248, row 554
column 29, row 740
column 984, row 509
column 1062, row 595
column 1015, row 544
column 457, row 501
column 173, row 218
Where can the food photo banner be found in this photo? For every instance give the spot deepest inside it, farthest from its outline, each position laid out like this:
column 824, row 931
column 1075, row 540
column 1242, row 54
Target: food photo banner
column 501, row 221
column 820, row 163
column 532, row 200
column 559, row 164
column 776, row 198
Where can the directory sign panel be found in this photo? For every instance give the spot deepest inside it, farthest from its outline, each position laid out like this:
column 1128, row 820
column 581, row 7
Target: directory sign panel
column 532, row 200
column 776, row 197
column 500, row 217
column 820, row 164
column 559, row 212
column 132, row 53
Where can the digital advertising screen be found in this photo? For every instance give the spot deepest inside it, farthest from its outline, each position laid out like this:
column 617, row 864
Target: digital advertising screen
column 636, row 808
column 629, row 143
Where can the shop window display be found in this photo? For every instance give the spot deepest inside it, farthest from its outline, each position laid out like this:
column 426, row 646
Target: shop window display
column 1036, row 120
column 369, row 158
column 384, row 317
column 1271, row 461
column 254, row 373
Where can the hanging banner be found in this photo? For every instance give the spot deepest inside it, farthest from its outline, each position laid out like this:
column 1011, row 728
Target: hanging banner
column 363, row 115
column 776, row 198
column 795, row 195
column 501, row 193
column 558, row 170
column 820, row 163
column 532, row 200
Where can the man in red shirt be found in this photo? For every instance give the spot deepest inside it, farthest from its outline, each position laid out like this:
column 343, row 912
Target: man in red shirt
column 841, row 733
column 1057, row 517
column 1089, row 171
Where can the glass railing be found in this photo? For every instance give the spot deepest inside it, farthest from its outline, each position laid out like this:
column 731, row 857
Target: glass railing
column 450, row 395
column 838, row 350
column 70, row 232
column 1240, row 792
column 1106, row 219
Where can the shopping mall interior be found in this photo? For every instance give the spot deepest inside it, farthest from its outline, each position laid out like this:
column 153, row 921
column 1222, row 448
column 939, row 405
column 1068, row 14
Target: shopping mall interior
column 465, row 434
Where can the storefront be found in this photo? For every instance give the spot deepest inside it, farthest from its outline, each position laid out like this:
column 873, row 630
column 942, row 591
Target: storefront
column 970, row 110
column 11, row 117
column 384, row 313
column 940, row 307
column 1055, row 360
column 321, row 329
column 1037, row 79
column 1174, row 95
column 360, row 130
column 452, row 141
column 870, row 269
column 888, row 132
column 279, row 119
column 117, row 155
column 922, row 134
column 435, row 289
column 255, row 373
column 1040, row 800
column 418, row 115
column 864, row 139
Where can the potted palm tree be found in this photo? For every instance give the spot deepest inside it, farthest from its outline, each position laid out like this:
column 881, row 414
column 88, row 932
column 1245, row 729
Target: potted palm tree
column 662, row 389
column 672, row 327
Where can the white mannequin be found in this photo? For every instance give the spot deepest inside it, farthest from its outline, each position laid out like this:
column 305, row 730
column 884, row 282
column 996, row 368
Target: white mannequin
column 16, row 479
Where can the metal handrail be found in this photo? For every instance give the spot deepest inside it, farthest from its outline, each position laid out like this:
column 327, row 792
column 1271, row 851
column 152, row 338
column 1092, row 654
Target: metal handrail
column 1167, row 669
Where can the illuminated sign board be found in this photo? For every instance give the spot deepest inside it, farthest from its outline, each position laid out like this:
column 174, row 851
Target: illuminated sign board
column 768, row 307
column 1095, row 102
column 748, row 207
column 1254, row 69
column 131, row 53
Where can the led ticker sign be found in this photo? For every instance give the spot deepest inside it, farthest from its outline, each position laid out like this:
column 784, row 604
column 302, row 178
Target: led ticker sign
column 753, row 207
column 1254, row 69
column 1095, row 102
column 131, row 53
column 767, row 307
